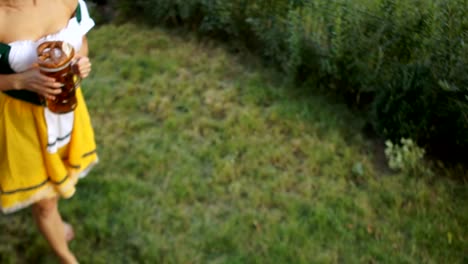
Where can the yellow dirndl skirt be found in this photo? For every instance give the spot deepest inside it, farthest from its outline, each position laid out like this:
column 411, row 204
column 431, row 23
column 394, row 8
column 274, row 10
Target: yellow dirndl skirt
column 28, row 172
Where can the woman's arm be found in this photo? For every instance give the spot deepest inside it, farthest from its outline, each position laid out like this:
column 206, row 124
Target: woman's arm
column 31, row 80
column 7, row 82
column 84, row 51
column 83, row 65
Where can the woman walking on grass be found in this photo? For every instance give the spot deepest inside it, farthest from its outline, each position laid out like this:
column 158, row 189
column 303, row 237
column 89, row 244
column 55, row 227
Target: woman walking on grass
column 42, row 154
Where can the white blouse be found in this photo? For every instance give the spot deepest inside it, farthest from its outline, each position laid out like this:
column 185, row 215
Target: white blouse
column 23, row 52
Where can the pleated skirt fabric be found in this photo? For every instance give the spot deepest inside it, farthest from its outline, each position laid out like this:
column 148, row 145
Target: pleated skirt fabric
column 28, row 172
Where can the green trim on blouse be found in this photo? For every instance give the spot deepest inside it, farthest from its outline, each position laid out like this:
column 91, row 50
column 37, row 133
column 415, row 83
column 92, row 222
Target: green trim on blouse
column 4, row 63
column 78, row 13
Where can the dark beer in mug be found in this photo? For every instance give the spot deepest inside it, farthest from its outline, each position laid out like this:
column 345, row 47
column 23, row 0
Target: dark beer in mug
column 55, row 60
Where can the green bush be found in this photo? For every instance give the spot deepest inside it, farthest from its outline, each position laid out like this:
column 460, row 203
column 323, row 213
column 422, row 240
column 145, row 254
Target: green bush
column 406, row 157
column 402, row 61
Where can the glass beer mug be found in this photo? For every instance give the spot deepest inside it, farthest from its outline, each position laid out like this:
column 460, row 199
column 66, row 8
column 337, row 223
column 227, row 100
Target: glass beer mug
column 55, row 60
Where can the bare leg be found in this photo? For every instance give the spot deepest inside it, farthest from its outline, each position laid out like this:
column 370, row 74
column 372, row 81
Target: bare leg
column 50, row 224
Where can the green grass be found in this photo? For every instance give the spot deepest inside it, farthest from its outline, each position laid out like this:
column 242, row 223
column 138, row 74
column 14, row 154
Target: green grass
column 207, row 158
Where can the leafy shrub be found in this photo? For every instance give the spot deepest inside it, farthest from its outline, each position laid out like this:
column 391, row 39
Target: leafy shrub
column 402, row 61
column 407, row 157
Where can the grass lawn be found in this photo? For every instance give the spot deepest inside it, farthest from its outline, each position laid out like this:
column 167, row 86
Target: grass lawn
column 207, row 158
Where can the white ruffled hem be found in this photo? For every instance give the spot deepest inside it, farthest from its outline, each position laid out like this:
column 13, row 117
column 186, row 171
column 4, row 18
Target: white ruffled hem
column 47, row 192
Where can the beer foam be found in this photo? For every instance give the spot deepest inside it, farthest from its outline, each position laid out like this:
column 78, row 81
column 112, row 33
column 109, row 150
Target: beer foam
column 67, row 49
column 55, row 54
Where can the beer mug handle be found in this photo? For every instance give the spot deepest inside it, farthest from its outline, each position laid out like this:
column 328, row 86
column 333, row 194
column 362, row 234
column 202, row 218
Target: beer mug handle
column 77, row 79
column 76, row 74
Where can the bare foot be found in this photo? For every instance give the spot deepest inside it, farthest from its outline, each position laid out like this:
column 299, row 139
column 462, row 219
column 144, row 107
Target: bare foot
column 69, row 233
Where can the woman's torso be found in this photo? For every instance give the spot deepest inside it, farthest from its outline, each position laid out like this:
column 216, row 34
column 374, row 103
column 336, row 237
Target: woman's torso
column 33, row 19
column 23, row 28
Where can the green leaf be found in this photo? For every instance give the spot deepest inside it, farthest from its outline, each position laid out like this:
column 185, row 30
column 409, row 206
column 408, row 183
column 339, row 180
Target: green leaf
column 358, row 169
